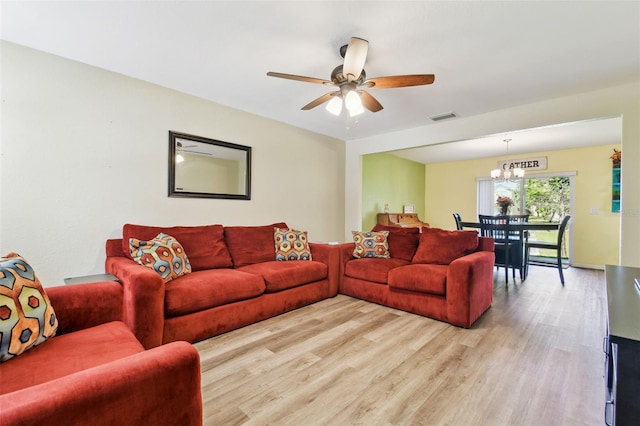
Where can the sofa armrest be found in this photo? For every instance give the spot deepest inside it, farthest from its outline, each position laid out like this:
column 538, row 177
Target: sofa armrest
column 143, row 299
column 469, row 287
column 328, row 254
column 486, row 244
column 345, row 254
column 86, row 305
column 158, row 386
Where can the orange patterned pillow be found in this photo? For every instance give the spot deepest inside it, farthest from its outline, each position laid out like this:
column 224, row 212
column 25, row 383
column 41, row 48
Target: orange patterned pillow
column 164, row 254
column 291, row 244
column 371, row 244
column 26, row 315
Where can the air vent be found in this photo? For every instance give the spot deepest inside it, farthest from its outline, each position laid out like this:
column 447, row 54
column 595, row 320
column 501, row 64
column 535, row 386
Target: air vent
column 444, row 116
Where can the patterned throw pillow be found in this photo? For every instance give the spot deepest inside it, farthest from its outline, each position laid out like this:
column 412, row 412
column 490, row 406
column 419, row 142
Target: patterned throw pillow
column 371, row 244
column 291, row 244
column 26, row 315
column 164, row 254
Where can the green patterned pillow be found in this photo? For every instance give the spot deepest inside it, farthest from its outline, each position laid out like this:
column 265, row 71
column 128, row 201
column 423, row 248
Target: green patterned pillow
column 26, row 315
column 371, row 244
column 291, row 244
column 164, row 254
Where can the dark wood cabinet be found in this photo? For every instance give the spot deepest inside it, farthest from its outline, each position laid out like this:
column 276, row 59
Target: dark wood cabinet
column 622, row 346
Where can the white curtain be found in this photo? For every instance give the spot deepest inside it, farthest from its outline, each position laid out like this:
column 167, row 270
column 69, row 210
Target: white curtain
column 485, row 196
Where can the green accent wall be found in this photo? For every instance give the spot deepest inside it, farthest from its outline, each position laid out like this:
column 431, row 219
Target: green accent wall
column 387, row 179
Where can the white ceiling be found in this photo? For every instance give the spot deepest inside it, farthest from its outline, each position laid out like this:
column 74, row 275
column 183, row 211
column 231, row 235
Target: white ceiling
column 562, row 136
column 486, row 55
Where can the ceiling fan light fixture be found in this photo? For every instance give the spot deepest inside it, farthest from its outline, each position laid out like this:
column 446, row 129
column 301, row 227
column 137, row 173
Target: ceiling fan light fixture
column 352, row 100
column 179, row 158
column 356, row 110
column 335, row 105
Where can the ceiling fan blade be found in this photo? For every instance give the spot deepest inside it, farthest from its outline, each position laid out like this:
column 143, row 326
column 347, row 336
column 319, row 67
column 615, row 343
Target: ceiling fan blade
column 399, row 81
column 355, row 57
column 322, row 99
column 299, row 78
column 369, row 102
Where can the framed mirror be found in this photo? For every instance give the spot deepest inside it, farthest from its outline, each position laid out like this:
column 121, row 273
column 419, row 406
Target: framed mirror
column 208, row 168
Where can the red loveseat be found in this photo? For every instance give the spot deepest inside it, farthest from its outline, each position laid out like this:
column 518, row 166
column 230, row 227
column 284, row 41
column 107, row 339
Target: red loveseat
column 235, row 281
column 444, row 275
column 95, row 372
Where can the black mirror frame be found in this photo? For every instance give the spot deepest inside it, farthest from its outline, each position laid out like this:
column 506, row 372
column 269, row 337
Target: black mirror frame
column 172, row 168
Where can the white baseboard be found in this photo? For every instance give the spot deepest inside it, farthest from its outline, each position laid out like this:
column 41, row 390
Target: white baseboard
column 598, row 267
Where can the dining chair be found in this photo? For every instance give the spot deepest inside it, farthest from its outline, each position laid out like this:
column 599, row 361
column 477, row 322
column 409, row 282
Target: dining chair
column 523, row 236
column 557, row 246
column 458, row 220
column 497, row 227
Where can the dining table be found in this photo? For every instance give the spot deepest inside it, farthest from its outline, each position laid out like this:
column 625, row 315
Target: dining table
column 516, row 228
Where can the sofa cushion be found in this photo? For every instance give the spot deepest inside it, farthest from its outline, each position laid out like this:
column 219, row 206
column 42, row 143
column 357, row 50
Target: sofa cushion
column 27, row 318
column 204, row 245
column 370, row 244
column 163, row 254
column 442, row 247
column 68, row 354
column 207, row 289
column 251, row 244
column 283, row 275
column 372, row 269
column 291, row 244
column 420, row 277
column 403, row 242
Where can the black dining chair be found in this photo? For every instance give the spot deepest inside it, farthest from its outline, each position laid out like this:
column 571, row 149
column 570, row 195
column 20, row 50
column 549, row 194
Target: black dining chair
column 557, row 246
column 497, row 227
column 458, row 220
column 523, row 236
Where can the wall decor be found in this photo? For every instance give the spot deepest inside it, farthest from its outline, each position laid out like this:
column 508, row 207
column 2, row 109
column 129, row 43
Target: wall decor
column 616, row 159
column 207, row 168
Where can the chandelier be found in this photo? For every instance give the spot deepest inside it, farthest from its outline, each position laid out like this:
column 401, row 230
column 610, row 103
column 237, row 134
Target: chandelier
column 508, row 174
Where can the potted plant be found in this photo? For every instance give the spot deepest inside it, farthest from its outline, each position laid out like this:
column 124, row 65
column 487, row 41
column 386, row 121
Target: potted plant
column 504, row 203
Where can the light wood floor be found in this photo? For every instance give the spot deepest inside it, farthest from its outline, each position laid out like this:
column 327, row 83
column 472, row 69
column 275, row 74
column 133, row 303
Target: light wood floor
column 534, row 358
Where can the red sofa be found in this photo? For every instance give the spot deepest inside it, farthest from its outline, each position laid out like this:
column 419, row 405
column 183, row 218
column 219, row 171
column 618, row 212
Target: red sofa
column 95, row 372
column 235, row 281
column 444, row 275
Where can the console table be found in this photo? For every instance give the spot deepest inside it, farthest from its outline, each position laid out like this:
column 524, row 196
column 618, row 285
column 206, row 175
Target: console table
column 403, row 220
column 622, row 346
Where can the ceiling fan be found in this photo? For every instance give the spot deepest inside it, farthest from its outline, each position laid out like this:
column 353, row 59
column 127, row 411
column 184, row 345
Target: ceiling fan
column 350, row 79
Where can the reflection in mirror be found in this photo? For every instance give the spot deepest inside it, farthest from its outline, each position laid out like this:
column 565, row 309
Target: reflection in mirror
column 207, row 168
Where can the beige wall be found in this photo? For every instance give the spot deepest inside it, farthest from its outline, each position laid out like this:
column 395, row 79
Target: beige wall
column 85, row 151
column 618, row 101
column 594, row 237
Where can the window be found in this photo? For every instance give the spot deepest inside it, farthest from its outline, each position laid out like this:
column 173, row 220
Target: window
column 545, row 197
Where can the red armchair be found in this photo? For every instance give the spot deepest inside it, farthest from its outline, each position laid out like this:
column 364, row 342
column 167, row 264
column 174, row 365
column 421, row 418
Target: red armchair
column 94, row 371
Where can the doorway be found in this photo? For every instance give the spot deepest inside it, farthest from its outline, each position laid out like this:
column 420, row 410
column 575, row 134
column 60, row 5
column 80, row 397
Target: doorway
column 544, row 197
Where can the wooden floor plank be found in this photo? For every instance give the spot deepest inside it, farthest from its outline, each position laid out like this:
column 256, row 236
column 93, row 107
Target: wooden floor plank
column 534, row 358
